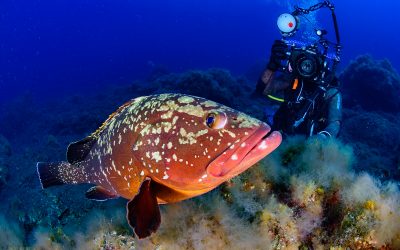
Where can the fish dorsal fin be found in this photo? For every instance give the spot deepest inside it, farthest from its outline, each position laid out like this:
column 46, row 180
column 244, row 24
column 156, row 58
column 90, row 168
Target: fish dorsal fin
column 110, row 117
column 77, row 151
column 143, row 212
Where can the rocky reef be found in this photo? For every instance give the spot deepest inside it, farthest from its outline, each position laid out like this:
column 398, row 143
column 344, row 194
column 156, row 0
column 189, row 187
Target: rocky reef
column 375, row 138
column 373, row 85
column 308, row 194
column 305, row 196
column 5, row 153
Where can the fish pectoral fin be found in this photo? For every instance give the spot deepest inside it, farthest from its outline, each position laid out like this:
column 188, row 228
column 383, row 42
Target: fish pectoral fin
column 143, row 212
column 100, row 194
column 77, row 151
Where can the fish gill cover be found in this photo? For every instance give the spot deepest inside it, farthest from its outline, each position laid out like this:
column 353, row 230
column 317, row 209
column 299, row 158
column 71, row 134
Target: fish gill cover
column 306, row 195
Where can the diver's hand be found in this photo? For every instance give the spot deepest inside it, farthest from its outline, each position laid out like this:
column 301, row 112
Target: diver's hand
column 321, row 136
column 278, row 53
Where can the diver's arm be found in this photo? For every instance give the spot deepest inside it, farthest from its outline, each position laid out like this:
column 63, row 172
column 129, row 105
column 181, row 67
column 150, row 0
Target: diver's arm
column 264, row 83
column 271, row 83
column 334, row 113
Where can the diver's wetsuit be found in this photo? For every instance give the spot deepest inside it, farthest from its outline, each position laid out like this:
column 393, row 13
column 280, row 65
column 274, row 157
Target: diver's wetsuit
column 307, row 109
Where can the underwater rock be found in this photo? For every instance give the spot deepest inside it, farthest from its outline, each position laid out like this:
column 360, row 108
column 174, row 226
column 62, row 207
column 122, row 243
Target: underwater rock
column 5, row 153
column 375, row 138
column 11, row 235
column 372, row 84
column 215, row 84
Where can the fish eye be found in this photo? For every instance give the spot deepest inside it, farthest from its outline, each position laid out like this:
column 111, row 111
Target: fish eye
column 216, row 120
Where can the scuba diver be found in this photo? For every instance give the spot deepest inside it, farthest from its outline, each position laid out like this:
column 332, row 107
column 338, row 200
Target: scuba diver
column 304, row 78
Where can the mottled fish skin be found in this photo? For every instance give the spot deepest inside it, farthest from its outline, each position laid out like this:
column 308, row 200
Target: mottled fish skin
column 165, row 137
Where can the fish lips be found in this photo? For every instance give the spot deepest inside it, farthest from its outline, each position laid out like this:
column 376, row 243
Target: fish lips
column 245, row 153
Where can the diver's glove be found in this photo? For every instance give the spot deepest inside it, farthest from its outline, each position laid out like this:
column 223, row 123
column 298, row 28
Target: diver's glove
column 278, row 53
column 323, row 135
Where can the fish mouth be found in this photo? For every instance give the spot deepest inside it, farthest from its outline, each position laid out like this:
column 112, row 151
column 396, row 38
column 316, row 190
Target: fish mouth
column 245, row 153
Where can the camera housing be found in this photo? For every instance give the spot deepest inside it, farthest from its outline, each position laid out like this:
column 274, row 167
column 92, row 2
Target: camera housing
column 313, row 63
column 307, row 63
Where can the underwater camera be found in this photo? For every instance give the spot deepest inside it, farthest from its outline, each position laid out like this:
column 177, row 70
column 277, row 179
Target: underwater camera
column 311, row 62
column 306, row 63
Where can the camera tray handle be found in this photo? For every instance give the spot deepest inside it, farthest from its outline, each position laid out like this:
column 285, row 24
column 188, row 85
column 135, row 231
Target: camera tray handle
column 325, row 4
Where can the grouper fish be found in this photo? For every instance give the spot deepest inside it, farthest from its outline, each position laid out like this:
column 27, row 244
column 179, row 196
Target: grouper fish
column 161, row 149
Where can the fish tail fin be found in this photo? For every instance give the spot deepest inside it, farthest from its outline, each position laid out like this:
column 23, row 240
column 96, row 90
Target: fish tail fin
column 59, row 173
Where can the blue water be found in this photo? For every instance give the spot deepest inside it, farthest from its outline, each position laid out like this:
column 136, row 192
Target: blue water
column 48, row 48
column 66, row 65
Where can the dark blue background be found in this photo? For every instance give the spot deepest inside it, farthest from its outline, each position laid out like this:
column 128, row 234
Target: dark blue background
column 53, row 47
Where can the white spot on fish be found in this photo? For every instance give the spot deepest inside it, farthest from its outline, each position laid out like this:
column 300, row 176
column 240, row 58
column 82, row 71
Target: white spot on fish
column 185, row 99
column 263, row 145
column 142, row 173
column 165, row 176
column 156, row 156
column 234, row 157
column 208, row 104
column 113, row 164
